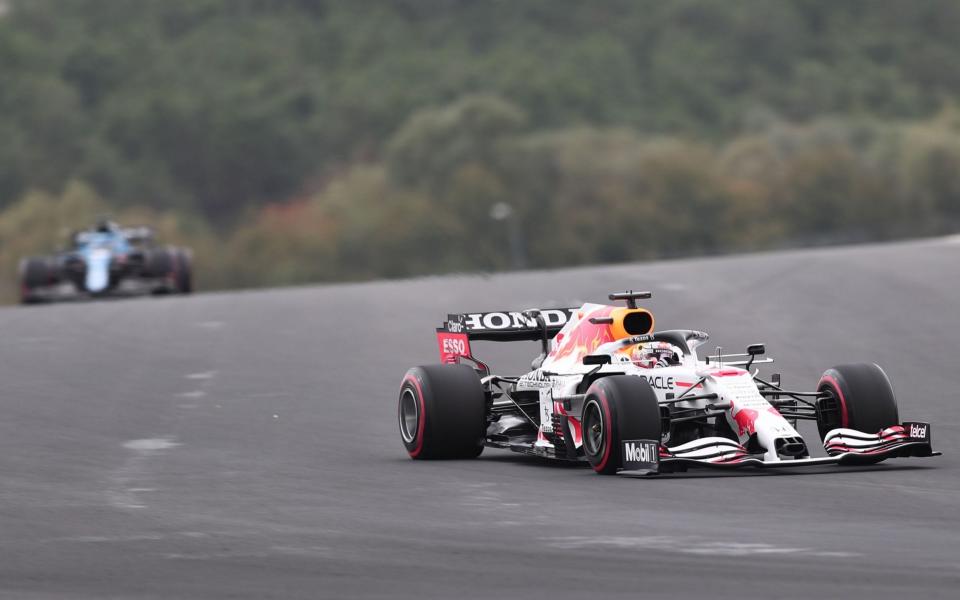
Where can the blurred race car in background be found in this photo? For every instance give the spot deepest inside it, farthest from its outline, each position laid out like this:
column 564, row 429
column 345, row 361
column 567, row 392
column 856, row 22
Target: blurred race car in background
column 609, row 390
column 107, row 260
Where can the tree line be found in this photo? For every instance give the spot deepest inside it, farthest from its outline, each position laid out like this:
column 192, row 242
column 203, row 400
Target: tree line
column 294, row 140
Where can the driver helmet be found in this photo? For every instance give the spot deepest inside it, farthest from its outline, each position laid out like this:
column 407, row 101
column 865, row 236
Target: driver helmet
column 105, row 225
column 656, row 354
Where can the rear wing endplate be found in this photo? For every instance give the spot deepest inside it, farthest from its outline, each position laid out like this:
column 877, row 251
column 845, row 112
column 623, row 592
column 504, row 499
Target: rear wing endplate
column 459, row 330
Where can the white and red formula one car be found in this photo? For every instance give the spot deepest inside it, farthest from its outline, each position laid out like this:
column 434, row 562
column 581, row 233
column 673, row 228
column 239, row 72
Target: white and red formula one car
column 610, row 390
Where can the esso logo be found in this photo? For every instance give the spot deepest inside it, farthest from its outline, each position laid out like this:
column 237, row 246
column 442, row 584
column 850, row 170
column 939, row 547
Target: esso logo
column 454, row 346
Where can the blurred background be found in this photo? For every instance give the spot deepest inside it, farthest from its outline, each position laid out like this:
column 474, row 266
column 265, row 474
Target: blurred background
column 293, row 141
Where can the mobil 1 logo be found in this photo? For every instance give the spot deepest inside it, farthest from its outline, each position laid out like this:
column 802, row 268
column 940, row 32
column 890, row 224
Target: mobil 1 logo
column 641, row 455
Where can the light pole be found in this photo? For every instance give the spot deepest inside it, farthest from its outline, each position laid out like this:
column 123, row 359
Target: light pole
column 504, row 213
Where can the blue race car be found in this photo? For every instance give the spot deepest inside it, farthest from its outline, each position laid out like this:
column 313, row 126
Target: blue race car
column 107, row 260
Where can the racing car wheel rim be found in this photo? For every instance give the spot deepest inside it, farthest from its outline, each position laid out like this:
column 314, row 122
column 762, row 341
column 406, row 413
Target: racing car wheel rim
column 593, row 432
column 409, row 415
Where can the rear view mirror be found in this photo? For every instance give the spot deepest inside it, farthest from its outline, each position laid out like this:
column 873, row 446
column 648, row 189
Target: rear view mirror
column 596, row 359
column 755, row 350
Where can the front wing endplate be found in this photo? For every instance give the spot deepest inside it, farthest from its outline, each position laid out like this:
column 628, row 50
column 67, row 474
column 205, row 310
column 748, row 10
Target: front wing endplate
column 846, row 447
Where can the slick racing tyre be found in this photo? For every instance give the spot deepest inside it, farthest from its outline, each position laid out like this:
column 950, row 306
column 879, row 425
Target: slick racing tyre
column 859, row 397
column 159, row 262
column 34, row 273
column 184, row 271
column 617, row 408
column 442, row 412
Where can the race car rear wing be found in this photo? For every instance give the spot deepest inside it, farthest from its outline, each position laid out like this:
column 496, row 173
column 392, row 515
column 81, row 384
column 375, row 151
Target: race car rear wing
column 459, row 330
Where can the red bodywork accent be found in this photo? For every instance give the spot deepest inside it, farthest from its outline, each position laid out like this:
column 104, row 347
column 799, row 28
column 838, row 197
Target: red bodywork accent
column 577, row 431
column 894, row 431
column 575, row 427
column 880, row 450
column 453, row 345
column 727, row 373
column 584, row 337
column 889, row 437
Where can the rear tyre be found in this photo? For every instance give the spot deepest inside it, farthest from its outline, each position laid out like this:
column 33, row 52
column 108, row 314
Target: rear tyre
column 184, row 271
column 159, row 264
column 860, row 398
column 442, row 412
column 617, row 408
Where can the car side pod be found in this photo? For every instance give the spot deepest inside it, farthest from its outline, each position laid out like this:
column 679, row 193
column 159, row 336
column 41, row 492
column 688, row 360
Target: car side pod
column 845, row 447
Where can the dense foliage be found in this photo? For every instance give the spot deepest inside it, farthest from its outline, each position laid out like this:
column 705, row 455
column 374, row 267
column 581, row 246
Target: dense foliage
column 303, row 140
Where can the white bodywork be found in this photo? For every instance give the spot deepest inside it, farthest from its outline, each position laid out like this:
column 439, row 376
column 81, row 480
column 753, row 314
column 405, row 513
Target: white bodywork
column 746, row 410
column 98, row 270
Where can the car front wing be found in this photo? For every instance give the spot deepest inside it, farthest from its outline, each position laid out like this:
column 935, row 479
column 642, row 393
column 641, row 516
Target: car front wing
column 845, row 447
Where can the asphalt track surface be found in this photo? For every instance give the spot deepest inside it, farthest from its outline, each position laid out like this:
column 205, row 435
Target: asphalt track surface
column 245, row 445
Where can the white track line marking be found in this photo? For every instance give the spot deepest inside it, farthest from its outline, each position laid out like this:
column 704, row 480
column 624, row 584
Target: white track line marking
column 127, row 480
column 201, row 376
column 100, row 539
column 150, row 445
column 690, row 545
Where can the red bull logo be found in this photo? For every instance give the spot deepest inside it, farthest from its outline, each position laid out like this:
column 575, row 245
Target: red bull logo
column 583, row 338
column 746, row 421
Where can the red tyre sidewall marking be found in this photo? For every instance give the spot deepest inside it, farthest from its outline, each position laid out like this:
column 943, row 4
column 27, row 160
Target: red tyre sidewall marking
column 607, row 426
column 421, row 417
column 844, row 417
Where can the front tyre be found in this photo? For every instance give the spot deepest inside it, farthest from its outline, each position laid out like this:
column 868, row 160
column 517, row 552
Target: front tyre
column 442, row 412
column 617, row 408
column 858, row 396
column 34, row 273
